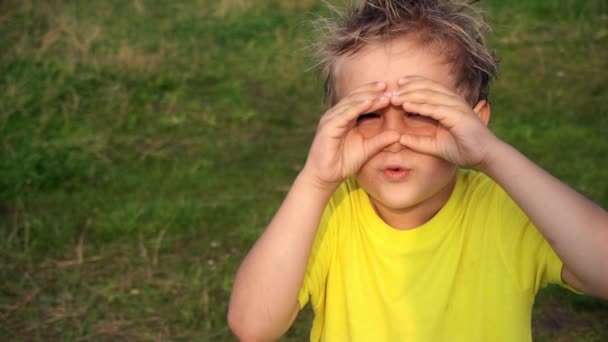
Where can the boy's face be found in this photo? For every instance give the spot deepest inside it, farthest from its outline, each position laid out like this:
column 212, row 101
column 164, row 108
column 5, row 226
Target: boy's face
column 407, row 188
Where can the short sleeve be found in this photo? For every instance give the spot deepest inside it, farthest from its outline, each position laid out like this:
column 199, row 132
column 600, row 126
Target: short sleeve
column 554, row 271
column 528, row 255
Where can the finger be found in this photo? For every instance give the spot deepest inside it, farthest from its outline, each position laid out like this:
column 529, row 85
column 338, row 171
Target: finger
column 354, row 95
column 411, row 83
column 345, row 119
column 428, row 96
column 447, row 116
column 369, row 87
column 420, row 143
column 355, row 100
column 379, row 142
column 330, row 117
column 350, row 114
column 358, row 96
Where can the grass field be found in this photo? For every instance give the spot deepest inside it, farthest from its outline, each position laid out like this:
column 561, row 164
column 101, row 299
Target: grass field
column 144, row 145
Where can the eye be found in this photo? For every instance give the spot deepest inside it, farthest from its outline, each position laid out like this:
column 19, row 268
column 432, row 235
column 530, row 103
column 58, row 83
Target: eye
column 367, row 117
column 421, row 119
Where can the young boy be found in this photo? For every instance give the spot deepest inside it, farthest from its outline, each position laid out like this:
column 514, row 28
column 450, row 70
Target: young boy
column 382, row 232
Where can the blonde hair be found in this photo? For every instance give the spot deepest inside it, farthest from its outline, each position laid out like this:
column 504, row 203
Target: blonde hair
column 458, row 29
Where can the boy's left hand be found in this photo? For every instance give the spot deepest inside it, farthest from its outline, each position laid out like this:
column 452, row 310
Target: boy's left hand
column 462, row 136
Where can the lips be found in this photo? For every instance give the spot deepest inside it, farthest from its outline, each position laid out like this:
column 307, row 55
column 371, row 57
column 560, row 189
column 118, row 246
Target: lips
column 396, row 173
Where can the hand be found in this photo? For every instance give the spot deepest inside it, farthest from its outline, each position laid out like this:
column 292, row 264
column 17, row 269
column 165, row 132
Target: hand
column 462, row 137
column 338, row 150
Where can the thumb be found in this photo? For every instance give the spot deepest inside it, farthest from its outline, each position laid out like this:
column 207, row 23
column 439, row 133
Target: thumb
column 379, row 142
column 419, row 143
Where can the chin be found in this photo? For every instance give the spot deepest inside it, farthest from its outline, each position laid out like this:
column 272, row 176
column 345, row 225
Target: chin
column 408, row 197
column 399, row 202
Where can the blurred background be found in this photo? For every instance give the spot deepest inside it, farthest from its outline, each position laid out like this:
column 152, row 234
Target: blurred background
column 145, row 145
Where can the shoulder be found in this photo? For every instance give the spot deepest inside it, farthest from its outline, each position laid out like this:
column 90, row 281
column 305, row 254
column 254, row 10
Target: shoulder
column 339, row 209
column 484, row 199
column 477, row 188
column 343, row 210
column 347, row 190
column 345, row 199
column 475, row 181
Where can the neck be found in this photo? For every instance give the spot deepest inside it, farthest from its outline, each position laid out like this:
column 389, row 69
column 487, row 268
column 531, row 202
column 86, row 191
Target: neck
column 416, row 215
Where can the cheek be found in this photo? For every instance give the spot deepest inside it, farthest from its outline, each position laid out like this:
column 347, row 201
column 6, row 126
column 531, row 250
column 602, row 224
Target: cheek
column 426, row 130
column 369, row 128
column 432, row 165
column 421, row 127
column 365, row 175
column 440, row 168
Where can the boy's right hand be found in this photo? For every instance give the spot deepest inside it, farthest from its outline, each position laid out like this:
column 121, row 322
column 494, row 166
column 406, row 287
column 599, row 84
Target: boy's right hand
column 338, row 150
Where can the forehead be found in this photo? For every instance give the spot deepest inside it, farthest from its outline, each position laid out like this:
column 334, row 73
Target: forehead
column 389, row 61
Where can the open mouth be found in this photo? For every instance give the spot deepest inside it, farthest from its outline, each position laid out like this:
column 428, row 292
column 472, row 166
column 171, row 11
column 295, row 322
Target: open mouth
column 396, row 173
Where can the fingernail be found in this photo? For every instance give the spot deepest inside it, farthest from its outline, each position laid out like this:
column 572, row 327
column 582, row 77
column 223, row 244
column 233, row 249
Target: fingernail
column 388, row 94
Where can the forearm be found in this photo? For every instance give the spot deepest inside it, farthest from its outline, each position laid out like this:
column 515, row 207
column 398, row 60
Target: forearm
column 267, row 284
column 576, row 228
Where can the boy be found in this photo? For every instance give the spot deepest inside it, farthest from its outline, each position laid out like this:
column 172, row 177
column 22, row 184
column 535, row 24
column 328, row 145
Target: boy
column 382, row 232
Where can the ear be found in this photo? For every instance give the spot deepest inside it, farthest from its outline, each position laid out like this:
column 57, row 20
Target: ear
column 483, row 109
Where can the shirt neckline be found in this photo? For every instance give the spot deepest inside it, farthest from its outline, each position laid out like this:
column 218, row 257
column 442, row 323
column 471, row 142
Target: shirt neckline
column 425, row 232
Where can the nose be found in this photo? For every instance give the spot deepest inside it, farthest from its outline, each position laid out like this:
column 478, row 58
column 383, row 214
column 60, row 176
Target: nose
column 393, row 121
column 394, row 148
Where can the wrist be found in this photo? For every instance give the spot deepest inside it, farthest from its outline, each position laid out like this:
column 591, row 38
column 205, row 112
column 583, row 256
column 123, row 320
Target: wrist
column 313, row 182
column 496, row 152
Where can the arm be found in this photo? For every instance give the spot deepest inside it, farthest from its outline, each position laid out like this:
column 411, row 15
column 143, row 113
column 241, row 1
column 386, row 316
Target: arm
column 264, row 297
column 264, row 302
column 576, row 228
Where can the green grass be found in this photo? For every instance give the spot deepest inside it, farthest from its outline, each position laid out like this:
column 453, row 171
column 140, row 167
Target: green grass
column 144, row 145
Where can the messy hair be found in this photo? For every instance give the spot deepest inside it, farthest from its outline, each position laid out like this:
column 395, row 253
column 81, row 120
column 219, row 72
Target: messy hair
column 457, row 29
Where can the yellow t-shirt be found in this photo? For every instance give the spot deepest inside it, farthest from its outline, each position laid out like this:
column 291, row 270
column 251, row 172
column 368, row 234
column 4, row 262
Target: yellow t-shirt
column 468, row 274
